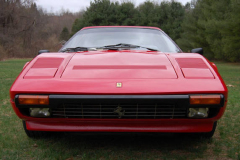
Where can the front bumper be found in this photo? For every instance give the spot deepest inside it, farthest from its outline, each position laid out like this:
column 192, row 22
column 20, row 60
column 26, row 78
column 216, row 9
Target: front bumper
column 119, row 125
column 169, row 126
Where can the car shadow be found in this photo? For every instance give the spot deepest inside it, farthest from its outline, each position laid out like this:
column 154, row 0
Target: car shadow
column 165, row 142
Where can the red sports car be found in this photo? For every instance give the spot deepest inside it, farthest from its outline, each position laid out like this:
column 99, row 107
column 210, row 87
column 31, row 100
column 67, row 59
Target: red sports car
column 119, row 79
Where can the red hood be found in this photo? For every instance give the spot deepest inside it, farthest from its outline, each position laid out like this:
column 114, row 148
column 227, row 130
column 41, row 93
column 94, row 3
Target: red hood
column 98, row 72
column 119, row 65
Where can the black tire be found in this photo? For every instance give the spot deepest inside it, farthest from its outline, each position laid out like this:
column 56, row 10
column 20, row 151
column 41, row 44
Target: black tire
column 209, row 135
column 34, row 134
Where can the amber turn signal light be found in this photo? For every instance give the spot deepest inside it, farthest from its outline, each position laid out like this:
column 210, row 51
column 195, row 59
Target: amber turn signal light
column 33, row 99
column 205, row 99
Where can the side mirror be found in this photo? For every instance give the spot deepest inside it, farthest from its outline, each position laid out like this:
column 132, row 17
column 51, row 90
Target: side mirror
column 43, row 51
column 197, row 50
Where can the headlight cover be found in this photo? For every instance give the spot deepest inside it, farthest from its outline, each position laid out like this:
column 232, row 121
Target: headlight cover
column 198, row 112
column 39, row 112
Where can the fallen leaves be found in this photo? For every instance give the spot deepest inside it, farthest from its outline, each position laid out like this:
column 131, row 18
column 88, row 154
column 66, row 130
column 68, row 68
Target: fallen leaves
column 35, row 145
column 229, row 85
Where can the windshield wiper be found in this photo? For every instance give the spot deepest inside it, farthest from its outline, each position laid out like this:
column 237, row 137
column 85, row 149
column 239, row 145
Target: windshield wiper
column 124, row 45
column 76, row 49
column 109, row 47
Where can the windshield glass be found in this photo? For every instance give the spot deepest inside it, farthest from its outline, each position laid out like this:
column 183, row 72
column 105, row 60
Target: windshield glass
column 144, row 37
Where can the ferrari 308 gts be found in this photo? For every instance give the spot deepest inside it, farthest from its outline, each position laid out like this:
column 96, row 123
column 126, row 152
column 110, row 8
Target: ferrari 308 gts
column 119, row 79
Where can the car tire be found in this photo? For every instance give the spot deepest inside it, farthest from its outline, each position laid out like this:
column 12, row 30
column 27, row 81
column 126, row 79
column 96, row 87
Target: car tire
column 209, row 135
column 34, row 134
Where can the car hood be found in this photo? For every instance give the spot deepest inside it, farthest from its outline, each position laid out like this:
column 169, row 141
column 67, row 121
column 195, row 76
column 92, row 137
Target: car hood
column 100, row 72
column 119, row 64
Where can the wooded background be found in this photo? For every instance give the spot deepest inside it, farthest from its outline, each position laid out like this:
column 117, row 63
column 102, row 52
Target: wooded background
column 212, row 25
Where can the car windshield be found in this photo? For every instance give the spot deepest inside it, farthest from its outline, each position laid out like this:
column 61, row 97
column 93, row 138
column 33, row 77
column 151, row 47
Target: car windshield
column 144, row 37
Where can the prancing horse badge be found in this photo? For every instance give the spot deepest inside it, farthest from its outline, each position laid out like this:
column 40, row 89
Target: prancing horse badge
column 119, row 85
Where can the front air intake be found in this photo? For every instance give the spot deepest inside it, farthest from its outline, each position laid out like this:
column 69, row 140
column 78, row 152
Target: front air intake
column 47, row 63
column 44, row 68
column 194, row 68
column 121, row 111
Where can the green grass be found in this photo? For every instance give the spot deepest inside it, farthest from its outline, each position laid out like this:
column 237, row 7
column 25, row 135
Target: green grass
column 14, row 144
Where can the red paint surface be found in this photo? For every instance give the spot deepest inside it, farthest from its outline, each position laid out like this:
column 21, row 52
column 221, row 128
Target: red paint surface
column 147, row 27
column 197, row 73
column 149, row 84
column 191, row 63
column 47, row 63
column 177, row 125
column 119, row 65
column 35, row 73
column 127, row 68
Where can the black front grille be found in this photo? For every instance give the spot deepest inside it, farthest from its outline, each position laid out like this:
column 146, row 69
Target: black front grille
column 122, row 111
